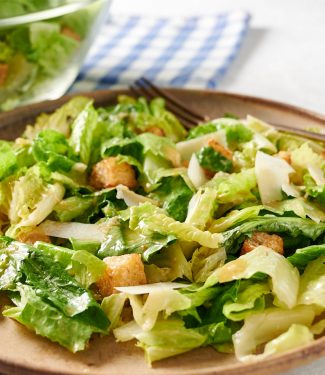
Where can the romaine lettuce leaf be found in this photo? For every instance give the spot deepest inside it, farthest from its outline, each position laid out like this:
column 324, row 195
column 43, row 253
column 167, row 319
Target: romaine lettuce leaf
column 285, row 278
column 249, row 300
column 235, row 131
column 265, row 326
column 166, row 339
column 120, row 239
column 174, row 195
column 213, row 161
column 201, row 208
column 307, row 254
column 32, row 200
column 304, row 156
column 61, row 119
column 148, row 219
column 52, row 148
column 234, row 217
column 47, row 321
column 312, row 284
column 47, row 44
column 234, row 188
column 8, row 160
column 205, row 261
column 83, row 130
column 294, row 230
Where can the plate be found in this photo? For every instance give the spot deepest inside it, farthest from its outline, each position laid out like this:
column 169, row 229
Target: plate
column 23, row 352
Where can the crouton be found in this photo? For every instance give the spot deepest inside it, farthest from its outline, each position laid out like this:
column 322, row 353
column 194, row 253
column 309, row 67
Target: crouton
column 4, row 68
column 156, row 131
column 32, row 236
column 110, row 172
column 284, row 155
column 70, row 33
column 219, row 148
column 123, row 270
column 272, row 241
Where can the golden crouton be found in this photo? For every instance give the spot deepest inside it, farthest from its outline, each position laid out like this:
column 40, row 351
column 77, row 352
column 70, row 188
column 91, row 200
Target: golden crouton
column 219, row 148
column 70, row 33
column 123, row 270
column 155, row 130
column 4, row 68
column 32, row 236
column 284, row 155
column 110, row 172
column 272, row 241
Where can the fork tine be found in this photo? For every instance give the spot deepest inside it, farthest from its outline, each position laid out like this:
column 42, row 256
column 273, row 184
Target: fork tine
column 139, row 90
column 184, row 118
column 173, row 101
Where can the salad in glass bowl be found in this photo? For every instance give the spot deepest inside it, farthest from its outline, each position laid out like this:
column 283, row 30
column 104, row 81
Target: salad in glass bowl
column 119, row 221
column 42, row 46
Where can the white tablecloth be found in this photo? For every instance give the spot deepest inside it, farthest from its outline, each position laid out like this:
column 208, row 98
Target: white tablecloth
column 283, row 56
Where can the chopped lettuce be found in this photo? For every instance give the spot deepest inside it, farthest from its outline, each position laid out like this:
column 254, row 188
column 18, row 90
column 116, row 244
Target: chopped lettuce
column 234, row 188
column 8, row 160
column 201, row 208
column 32, row 200
column 268, row 325
column 304, row 256
column 149, row 219
column 213, row 161
column 312, row 284
column 285, row 278
column 294, row 231
column 48, row 293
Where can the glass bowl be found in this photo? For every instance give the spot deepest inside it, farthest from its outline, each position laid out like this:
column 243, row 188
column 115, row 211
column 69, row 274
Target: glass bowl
column 43, row 44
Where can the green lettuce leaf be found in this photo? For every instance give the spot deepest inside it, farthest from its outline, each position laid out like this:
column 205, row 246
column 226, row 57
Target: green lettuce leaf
column 303, row 256
column 268, row 325
column 47, row 44
column 148, row 219
column 47, row 321
column 205, row 261
column 123, row 240
column 250, row 299
column 52, row 148
column 234, row 188
column 32, row 200
column 235, row 131
column 60, row 120
column 285, row 278
column 8, row 160
column 293, row 230
column 83, row 130
column 174, row 195
column 201, row 208
column 312, row 284
column 213, row 161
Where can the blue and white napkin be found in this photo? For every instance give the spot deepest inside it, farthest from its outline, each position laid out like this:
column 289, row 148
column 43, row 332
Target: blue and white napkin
column 184, row 52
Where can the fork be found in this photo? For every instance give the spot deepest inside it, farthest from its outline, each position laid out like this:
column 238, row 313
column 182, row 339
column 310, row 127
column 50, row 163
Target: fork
column 190, row 118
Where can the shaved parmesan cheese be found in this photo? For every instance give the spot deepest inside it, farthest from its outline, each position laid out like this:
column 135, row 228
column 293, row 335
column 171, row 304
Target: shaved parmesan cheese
column 317, row 174
column 271, row 174
column 130, row 197
column 187, row 148
column 79, row 231
column 263, row 143
column 290, row 190
column 150, row 288
column 196, row 173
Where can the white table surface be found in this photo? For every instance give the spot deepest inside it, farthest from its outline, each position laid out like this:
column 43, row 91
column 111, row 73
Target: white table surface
column 282, row 58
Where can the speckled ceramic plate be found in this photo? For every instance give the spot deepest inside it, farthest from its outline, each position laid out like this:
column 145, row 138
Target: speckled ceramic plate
column 23, row 352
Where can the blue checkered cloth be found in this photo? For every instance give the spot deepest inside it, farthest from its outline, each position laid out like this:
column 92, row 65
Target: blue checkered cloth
column 183, row 52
